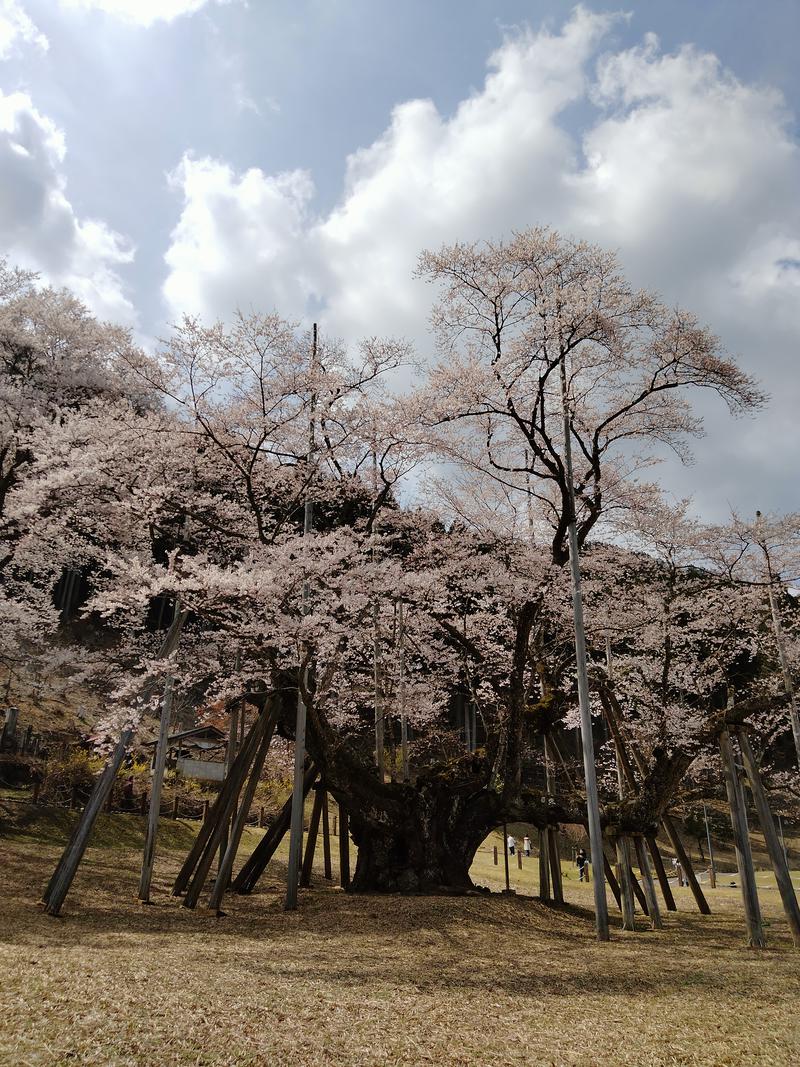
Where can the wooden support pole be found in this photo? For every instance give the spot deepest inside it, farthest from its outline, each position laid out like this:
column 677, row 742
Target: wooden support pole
column 551, row 832
column 686, row 864
column 62, row 876
column 245, row 881
column 143, row 802
column 239, row 770
column 230, row 756
column 776, row 853
column 149, row 854
column 741, row 841
column 649, row 885
column 555, row 864
column 326, row 839
column 544, row 867
column 344, row 848
column 311, row 840
column 505, row 857
column 221, row 806
column 495, row 855
column 613, row 884
column 624, row 868
column 206, row 806
column 712, row 870
column 240, row 819
column 262, row 815
column 175, row 803
column 638, row 892
column 661, row 874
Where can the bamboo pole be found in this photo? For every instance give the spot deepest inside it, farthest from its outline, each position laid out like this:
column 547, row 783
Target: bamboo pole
column 776, row 853
column 741, row 841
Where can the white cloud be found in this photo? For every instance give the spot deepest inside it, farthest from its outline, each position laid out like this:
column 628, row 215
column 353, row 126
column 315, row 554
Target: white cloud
column 39, row 227
column 142, row 12
column 691, row 173
column 17, row 27
column 240, row 240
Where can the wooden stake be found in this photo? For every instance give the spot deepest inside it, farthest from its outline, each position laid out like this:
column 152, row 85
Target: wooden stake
column 776, row 853
column 741, row 841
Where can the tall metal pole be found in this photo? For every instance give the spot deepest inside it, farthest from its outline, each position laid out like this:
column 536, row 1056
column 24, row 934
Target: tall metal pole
column 298, row 796
column 788, row 685
column 587, row 742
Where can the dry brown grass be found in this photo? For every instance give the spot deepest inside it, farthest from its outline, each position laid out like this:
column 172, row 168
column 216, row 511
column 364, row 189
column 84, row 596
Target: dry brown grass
column 361, row 981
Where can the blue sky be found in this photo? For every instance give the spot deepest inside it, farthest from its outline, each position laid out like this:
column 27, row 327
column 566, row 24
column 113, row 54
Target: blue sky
column 162, row 156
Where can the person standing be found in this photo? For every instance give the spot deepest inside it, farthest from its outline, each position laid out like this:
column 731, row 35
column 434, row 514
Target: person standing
column 580, row 863
column 526, row 845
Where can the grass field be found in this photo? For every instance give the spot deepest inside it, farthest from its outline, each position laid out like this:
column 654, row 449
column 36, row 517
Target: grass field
column 370, row 980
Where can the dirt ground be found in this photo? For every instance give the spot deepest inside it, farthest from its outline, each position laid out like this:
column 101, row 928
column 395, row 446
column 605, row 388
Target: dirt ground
column 349, row 980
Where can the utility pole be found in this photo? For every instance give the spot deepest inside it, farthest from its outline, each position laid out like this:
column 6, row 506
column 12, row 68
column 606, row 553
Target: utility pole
column 298, row 795
column 788, row 685
column 587, row 742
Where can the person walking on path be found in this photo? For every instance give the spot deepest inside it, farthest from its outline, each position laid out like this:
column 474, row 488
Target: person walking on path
column 512, row 844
